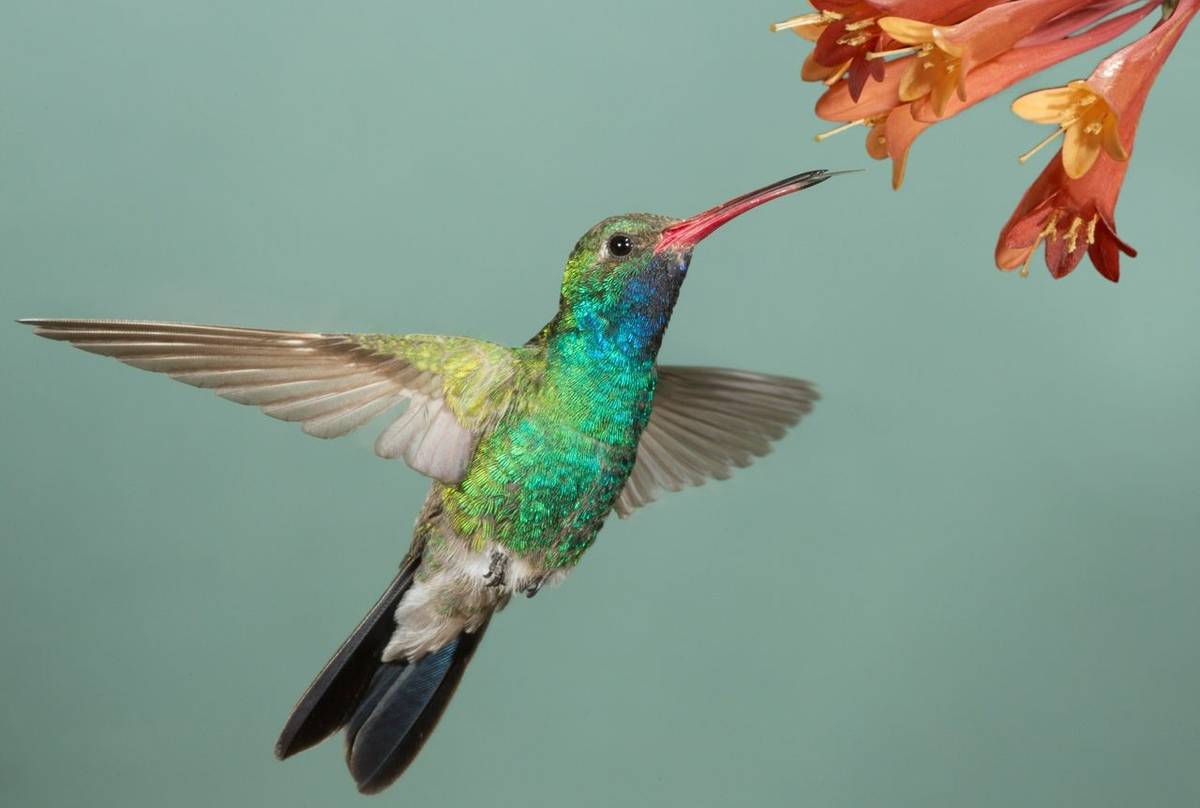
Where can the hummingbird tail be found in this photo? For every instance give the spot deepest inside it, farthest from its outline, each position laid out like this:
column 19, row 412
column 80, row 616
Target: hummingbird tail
column 389, row 709
column 400, row 710
column 330, row 700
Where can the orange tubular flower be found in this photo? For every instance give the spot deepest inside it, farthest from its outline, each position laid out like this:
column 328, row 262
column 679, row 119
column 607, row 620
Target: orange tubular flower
column 933, row 59
column 894, row 126
column 1067, row 212
column 843, row 31
column 1087, row 120
column 847, row 32
column 1071, row 217
column 946, row 55
column 837, row 104
column 1074, row 20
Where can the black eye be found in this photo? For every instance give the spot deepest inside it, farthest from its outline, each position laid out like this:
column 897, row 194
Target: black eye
column 620, row 244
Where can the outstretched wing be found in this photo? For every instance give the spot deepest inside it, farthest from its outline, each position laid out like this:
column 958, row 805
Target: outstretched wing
column 330, row 383
column 705, row 422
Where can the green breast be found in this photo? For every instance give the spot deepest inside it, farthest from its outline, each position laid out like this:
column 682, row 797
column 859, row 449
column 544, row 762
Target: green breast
column 546, row 477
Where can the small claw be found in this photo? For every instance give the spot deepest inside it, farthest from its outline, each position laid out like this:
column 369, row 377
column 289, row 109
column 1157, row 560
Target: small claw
column 495, row 576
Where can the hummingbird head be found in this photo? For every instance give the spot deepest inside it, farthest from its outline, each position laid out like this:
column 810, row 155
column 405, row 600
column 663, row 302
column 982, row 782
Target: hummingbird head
column 627, row 270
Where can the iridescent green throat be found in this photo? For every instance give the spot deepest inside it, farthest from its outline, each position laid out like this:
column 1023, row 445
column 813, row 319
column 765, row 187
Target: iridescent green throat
column 545, row 479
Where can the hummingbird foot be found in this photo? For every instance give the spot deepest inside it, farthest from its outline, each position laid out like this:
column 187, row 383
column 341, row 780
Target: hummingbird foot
column 533, row 586
column 497, row 569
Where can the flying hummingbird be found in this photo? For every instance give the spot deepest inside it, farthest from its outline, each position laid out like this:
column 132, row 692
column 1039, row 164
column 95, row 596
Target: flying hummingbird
column 529, row 450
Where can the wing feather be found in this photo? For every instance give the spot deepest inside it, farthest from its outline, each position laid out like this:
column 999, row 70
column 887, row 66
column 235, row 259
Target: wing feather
column 707, row 421
column 330, row 383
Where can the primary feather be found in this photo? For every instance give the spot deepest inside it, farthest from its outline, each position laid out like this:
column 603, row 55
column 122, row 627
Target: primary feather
column 331, row 384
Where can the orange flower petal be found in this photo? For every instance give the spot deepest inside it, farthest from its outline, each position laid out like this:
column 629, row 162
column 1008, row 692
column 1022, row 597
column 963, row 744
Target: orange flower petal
column 811, row 32
column 877, row 145
column 1045, row 106
column 910, row 32
column 812, row 70
column 902, row 131
column 878, row 98
column 916, row 82
column 940, row 93
column 1110, row 140
column 1080, row 151
column 944, row 42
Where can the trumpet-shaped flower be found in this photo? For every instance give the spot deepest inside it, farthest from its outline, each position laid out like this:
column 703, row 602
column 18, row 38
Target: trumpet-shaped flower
column 1086, row 119
column 1088, row 112
column 903, row 123
column 847, row 32
column 933, row 59
column 945, row 55
column 1072, row 212
column 1072, row 217
column 843, row 32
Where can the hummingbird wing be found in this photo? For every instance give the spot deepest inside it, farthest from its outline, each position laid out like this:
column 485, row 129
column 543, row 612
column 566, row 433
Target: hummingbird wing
column 456, row 387
column 706, row 421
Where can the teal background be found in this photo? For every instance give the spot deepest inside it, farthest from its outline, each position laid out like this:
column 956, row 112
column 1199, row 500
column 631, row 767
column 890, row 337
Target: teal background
column 970, row 579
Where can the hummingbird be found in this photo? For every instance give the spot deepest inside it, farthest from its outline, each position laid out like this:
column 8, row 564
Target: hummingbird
column 529, row 450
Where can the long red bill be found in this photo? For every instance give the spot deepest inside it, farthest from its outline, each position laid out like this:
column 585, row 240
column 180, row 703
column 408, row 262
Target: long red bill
column 687, row 233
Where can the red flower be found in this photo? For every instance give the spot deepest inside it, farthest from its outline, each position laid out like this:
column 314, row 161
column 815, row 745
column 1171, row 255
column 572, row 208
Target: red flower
column 902, row 123
column 847, row 40
column 945, row 56
column 962, row 52
column 847, row 33
column 1067, row 213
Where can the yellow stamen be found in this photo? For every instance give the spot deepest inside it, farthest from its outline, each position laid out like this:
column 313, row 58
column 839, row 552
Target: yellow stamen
column 853, row 41
column 898, row 52
column 857, row 26
column 1091, row 233
column 816, row 18
column 1057, row 133
column 1047, row 232
column 797, row 22
column 844, row 127
column 1071, row 237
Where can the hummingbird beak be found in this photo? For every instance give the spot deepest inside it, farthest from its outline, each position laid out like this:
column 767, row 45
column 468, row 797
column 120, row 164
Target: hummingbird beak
column 687, row 233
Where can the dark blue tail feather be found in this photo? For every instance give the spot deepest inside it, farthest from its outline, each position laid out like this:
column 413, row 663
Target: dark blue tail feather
column 400, row 710
column 336, row 691
column 388, row 709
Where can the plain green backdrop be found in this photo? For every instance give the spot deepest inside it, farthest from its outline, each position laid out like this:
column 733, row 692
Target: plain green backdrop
column 969, row 579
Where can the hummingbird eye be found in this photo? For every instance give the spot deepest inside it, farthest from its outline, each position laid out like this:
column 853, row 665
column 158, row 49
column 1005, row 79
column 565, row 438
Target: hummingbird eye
column 620, row 244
